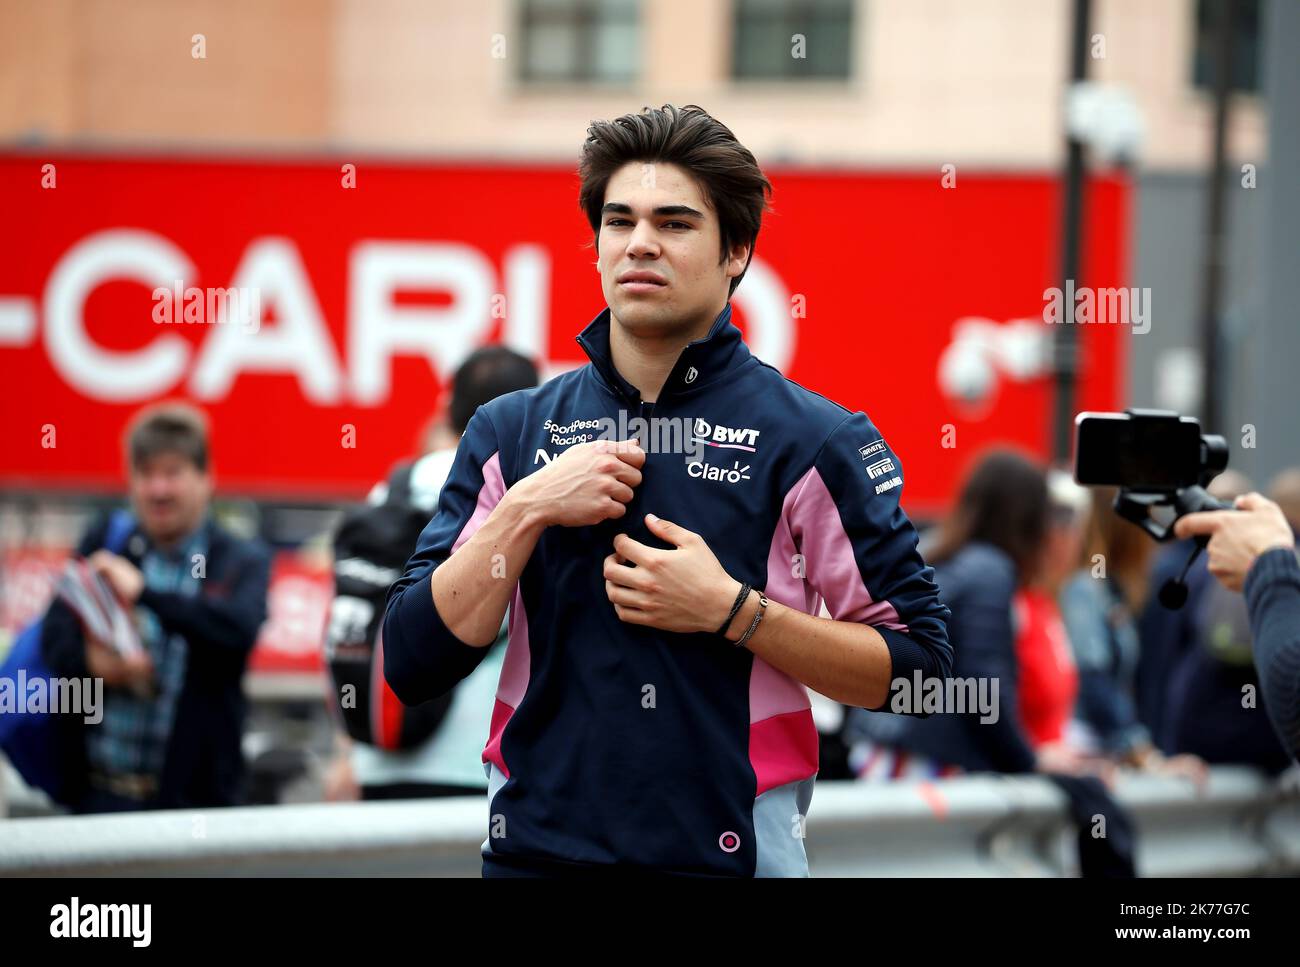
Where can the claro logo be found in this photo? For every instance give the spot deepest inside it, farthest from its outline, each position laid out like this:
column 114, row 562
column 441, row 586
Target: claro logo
column 707, row 471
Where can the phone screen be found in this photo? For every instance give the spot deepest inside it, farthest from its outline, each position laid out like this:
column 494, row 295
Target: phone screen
column 1116, row 450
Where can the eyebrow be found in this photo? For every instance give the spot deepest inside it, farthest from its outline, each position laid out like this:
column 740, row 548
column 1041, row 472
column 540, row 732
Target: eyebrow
column 618, row 208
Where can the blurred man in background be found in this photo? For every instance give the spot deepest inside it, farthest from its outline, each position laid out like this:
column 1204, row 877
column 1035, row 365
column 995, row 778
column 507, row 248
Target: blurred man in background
column 1213, row 693
column 447, row 761
column 1168, row 636
column 173, row 715
column 1252, row 549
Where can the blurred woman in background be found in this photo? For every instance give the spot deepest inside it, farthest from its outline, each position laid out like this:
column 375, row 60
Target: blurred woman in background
column 1003, row 544
column 1049, row 680
column 989, row 549
column 1099, row 604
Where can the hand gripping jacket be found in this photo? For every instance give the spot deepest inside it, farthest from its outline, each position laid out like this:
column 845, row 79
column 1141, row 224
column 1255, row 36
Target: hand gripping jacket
column 619, row 746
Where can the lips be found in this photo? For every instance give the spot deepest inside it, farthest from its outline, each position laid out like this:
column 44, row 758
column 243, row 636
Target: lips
column 642, row 280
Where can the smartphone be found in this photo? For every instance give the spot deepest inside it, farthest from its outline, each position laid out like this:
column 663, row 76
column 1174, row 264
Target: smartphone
column 1150, row 450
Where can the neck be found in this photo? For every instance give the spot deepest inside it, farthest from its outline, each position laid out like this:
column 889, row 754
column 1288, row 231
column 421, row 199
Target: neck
column 646, row 360
column 172, row 541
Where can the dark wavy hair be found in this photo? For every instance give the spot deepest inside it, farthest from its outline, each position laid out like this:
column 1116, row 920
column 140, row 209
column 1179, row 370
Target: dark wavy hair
column 688, row 137
column 1004, row 503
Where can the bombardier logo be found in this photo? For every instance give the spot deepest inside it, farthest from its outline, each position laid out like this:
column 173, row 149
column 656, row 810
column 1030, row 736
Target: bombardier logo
column 732, row 438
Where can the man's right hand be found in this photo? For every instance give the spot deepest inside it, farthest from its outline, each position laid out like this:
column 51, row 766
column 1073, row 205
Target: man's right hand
column 587, row 483
column 117, row 671
column 1238, row 537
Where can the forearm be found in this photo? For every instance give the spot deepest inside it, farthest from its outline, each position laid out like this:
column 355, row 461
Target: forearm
column 1273, row 597
column 473, row 587
column 843, row 660
column 224, row 625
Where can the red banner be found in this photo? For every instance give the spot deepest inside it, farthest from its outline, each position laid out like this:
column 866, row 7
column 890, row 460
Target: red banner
column 918, row 298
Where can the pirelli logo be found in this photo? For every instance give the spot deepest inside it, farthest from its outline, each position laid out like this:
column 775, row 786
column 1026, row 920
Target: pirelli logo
column 880, row 468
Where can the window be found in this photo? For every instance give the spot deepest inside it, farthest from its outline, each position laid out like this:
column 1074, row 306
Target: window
column 1245, row 47
column 579, row 41
column 792, row 39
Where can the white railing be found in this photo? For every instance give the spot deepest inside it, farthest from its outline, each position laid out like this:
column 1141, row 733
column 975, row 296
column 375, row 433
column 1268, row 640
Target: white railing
column 1241, row 824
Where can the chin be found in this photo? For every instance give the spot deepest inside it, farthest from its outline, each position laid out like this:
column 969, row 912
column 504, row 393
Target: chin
column 164, row 528
column 159, row 529
column 646, row 319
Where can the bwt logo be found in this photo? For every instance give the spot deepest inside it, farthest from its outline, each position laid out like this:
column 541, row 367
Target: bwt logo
column 718, row 435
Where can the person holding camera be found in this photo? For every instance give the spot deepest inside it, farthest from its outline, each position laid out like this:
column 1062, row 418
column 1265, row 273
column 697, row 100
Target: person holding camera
column 1252, row 548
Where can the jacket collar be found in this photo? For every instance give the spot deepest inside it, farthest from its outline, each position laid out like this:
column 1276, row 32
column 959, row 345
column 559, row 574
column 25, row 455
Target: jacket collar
column 702, row 362
column 139, row 543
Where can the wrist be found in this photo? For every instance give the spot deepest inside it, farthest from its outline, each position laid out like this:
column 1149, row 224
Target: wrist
column 725, row 598
column 523, row 512
column 1272, row 544
column 132, row 587
column 740, row 623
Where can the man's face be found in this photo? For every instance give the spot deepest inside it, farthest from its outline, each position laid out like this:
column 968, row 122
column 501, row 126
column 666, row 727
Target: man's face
column 169, row 495
column 659, row 243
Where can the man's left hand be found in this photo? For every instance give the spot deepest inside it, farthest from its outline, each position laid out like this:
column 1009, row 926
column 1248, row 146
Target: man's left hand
column 682, row 589
column 123, row 577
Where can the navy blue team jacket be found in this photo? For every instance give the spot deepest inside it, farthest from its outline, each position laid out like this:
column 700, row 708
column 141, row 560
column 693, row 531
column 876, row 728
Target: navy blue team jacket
column 615, row 746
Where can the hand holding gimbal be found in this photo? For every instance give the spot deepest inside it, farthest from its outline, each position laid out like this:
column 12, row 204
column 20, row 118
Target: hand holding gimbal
column 1158, row 459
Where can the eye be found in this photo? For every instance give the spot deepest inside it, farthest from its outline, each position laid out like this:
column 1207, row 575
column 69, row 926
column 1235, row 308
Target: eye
column 679, row 224
column 617, row 221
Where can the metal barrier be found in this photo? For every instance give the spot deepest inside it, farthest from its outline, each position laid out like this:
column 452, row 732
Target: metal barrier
column 1242, row 824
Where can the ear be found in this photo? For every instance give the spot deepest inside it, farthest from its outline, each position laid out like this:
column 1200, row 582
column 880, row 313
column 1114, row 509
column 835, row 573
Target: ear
column 737, row 259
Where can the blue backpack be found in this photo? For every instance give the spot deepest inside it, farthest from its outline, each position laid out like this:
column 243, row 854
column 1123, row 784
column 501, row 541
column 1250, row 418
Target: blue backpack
column 30, row 739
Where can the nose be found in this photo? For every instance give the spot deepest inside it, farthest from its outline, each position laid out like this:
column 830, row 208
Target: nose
column 158, row 487
column 644, row 243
